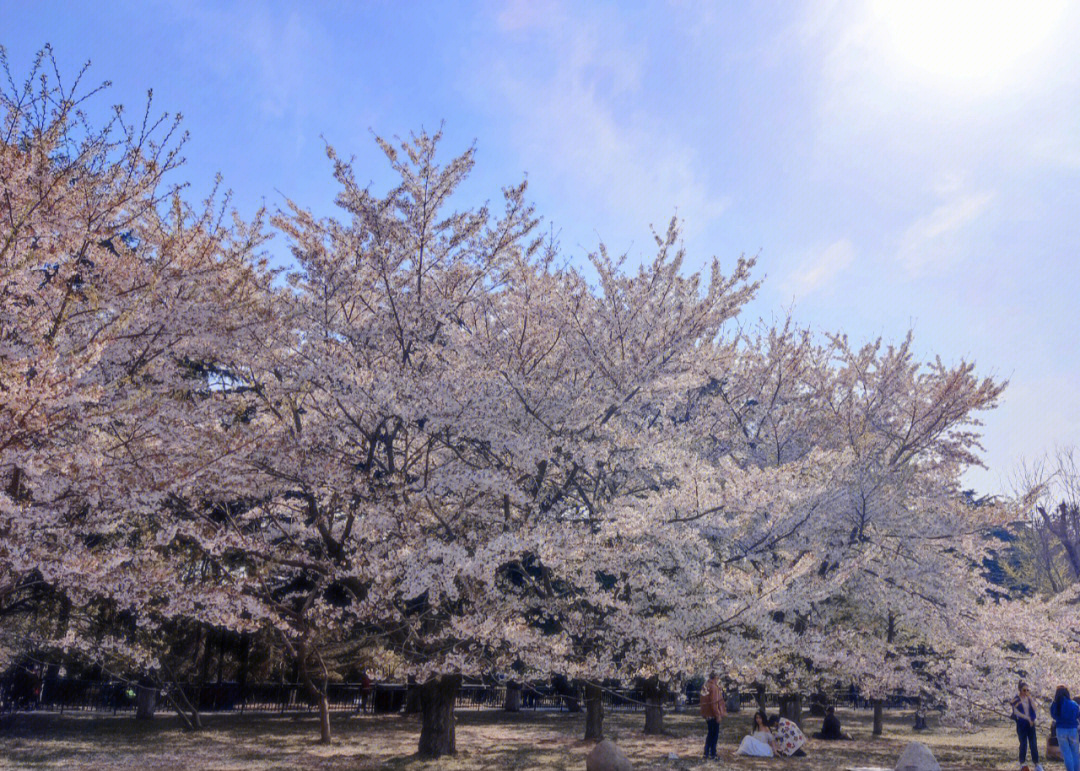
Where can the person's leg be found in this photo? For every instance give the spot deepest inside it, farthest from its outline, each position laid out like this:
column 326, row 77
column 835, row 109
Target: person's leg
column 1022, row 735
column 714, row 736
column 1069, row 749
column 1033, row 743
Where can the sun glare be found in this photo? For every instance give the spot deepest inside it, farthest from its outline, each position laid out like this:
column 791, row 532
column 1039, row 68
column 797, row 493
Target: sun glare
column 970, row 43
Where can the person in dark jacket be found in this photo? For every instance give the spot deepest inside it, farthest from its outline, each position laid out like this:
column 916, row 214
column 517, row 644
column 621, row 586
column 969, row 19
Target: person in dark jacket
column 830, row 727
column 1066, row 713
column 1023, row 712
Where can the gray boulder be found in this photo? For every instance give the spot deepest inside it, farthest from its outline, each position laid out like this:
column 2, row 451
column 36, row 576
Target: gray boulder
column 917, row 757
column 605, row 756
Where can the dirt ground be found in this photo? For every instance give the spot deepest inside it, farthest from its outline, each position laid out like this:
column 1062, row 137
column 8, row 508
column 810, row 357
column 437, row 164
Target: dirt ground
column 485, row 740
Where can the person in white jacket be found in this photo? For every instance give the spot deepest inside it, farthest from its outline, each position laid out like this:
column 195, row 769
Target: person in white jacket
column 760, row 743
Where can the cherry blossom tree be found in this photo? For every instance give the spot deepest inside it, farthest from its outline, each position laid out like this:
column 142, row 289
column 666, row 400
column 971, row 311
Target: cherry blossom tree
column 119, row 300
column 443, row 444
column 897, row 547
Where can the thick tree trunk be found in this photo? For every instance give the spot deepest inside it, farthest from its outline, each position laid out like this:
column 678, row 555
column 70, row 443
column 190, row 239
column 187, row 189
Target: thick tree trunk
column 795, row 709
column 759, row 695
column 512, row 702
column 654, row 716
column 437, row 715
column 146, row 701
column 733, row 703
column 573, row 703
column 594, row 712
column 654, row 706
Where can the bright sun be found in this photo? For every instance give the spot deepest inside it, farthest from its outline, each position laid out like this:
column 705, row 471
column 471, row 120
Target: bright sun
column 969, row 43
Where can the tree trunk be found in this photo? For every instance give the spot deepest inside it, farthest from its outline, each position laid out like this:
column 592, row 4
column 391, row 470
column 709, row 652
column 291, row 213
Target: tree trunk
column 242, row 671
column 594, row 712
column 200, row 666
column 759, row 695
column 221, row 646
column 146, row 702
column 783, row 703
column 795, row 708
column 890, row 635
column 573, row 703
column 654, row 706
column 734, row 702
column 180, row 702
column 319, row 694
column 324, row 719
column 412, row 697
column 654, row 716
column 513, row 697
column 437, row 714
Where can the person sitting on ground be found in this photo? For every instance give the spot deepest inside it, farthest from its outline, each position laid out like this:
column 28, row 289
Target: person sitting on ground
column 760, row 743
column 830, row 727
column 789, row 737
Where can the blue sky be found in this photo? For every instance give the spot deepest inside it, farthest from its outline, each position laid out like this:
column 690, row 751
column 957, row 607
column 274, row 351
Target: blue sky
column 894, row 164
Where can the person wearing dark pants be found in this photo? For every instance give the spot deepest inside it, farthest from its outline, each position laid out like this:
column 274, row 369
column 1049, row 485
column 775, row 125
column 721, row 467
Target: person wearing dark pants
column 712, row 735
column 712, row 709
column 1023, row 712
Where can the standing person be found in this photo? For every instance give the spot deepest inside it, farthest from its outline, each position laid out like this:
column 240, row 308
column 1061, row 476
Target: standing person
column 1023, row 712
column 712, row 709
column 1066, row 712
column 366, row 687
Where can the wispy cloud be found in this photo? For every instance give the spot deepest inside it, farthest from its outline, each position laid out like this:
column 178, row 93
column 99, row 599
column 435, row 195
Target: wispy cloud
column 573, row 117
column 277, row 55
column 526, row 14
column 934, row 240
column 821, row 268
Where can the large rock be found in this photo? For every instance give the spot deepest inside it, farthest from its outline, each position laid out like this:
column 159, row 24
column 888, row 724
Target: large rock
column 917, row 757
column 605, row 756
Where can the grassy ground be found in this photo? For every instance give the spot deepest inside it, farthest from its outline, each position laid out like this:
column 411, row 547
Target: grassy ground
column 485, row 740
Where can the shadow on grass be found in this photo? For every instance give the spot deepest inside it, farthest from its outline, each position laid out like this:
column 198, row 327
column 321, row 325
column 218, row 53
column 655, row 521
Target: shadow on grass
column 485, row 740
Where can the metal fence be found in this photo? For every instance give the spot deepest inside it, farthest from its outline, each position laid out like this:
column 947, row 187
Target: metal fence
column 75, row 694
column 63, row 694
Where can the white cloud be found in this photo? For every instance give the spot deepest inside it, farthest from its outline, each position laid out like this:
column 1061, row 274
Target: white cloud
column 526, row 14
column 934, row 240
column 821, row 268
column 277, row 57
column 577, row 123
